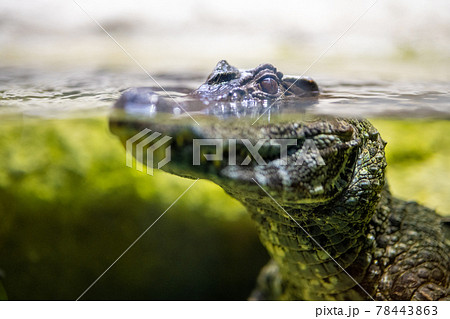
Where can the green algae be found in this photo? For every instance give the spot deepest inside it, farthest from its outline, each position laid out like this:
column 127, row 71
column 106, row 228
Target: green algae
column 418, row 153
column 69, row 207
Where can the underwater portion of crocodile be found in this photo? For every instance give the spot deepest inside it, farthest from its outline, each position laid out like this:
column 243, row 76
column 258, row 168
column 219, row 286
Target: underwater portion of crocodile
column 330, row 224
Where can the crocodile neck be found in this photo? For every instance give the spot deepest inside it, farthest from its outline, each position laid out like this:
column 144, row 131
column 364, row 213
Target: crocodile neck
column 366, row 244
column 308, row 272
column 344, row 226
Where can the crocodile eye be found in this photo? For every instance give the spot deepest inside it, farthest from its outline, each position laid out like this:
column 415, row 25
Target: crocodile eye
column 269, row 85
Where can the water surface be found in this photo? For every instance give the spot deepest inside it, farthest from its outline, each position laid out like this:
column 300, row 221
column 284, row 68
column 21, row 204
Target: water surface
column 63, row 93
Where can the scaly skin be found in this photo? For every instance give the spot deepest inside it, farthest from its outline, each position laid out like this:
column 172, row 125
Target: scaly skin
column 365, row 243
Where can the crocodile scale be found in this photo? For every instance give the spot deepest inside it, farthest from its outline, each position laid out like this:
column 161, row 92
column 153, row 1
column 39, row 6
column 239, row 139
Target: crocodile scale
column 334, row 231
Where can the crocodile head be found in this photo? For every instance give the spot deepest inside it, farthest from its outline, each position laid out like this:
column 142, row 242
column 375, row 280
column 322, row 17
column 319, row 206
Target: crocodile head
column 319, row 156
column 226, row 83
column 329, row 176
column 228, row 92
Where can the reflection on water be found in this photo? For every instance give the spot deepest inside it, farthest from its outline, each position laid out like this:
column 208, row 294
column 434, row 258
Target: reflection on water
column 47, row 94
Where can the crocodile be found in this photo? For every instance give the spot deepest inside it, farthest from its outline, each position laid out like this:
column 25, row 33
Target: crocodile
column 324, row 212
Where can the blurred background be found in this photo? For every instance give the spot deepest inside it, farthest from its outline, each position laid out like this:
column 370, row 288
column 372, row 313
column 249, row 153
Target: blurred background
column 167, row 35
column 68, row 204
